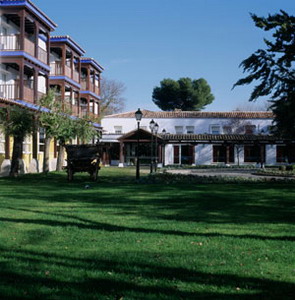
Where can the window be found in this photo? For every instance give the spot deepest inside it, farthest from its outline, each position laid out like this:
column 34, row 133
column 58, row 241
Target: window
column 215, row 129
column 178, row 129
column 41, row 139
column 254, row 153
column 190, row 129
column 250, row 129
column 227, row 129
column 118, row 129
column 27, row 145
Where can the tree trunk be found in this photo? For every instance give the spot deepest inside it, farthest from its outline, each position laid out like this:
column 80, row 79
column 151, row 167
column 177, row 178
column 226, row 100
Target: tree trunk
column 46, row 155
column 60, row 157
column 16, row 155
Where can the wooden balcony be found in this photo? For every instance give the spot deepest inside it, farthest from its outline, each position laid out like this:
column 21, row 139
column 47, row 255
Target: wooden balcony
column 92, row 88
column 29, row 46
column 76, row 76
column 28, row 94
column 9, row 91
column 10, row 42
column 83, row 84
column 68, row 71
column 75, row 110
column 83, row 110
column 42, row 55
column 56, row 68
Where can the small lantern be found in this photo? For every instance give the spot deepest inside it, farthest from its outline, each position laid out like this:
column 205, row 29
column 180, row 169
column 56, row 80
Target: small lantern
column 138, row 115
column 152, row 125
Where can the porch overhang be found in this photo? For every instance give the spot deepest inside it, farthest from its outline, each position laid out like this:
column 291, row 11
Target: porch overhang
column 223, row 139
column 144, row 136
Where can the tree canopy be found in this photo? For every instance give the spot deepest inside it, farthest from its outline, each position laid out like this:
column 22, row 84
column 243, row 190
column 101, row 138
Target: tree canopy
column 273, row 68
column 185, row 94
column 17, row 122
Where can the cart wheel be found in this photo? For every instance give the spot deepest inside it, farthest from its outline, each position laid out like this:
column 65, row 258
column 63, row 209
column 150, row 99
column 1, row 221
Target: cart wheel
column 70, row 174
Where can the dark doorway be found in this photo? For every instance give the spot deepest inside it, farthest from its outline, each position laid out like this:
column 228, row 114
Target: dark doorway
column 219, row 154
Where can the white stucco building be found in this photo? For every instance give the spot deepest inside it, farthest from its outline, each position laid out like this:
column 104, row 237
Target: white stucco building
column 192, row 137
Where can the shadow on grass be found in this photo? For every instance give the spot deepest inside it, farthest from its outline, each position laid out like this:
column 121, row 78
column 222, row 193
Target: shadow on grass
column 210, row 203
column 115, row 278
column 83, row 223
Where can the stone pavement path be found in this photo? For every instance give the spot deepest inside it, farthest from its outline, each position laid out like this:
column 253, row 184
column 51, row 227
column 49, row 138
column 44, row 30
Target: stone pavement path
column 247, row 173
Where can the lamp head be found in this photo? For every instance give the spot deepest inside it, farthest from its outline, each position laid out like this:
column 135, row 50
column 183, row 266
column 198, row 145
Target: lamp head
column 156, row 127
column 152, row 125
column 138, row 115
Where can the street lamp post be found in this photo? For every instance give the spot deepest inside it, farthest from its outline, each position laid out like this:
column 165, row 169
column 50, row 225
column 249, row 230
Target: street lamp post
column 156, row 146
column 152, row 126
column 138, row 116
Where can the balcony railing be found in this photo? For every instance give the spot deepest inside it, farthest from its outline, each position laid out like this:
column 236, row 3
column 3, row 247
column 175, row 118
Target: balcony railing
column 42, row 55
column 9, row 91
column 56, row 68
column 83, row 84
column 76, row 76
column 93, row 88
column 28, row 94
column 9, row 42
column 12, row 43
column 29, row 47
column 68, row 71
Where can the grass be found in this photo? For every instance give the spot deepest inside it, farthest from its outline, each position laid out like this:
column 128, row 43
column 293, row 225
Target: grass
column 122, row 240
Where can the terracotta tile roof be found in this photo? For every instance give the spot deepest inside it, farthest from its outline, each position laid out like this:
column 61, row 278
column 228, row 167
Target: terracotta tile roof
column 195, row 114
column 218, row 137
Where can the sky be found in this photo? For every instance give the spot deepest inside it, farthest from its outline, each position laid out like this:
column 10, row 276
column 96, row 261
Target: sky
column 141, row 42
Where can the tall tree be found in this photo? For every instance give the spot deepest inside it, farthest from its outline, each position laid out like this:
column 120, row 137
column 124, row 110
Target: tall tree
column 185, row 94
column 111, row 92
column 273, row 68
column 17, row 122
column 50, row 119
column 85, row 131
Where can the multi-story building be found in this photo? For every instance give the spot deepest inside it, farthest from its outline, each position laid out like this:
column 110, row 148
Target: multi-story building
column 192, row 137
column 31, row 62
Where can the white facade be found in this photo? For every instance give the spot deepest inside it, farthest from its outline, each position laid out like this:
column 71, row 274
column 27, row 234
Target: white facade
column 205, row 123
column 172, row 125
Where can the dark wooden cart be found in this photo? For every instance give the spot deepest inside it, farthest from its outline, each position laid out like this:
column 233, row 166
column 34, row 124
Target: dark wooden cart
column 83, row 158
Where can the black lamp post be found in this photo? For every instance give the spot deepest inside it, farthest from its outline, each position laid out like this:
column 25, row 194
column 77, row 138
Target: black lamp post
column 156, row 146
column 138, row 116
column 152, row 126
column 163, row 149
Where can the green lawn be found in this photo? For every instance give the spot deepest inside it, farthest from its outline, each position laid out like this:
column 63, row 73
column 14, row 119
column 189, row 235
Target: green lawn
column 122, row 240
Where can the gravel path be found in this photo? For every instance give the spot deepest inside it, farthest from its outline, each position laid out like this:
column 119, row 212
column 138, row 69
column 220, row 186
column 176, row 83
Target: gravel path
column 247, row 173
